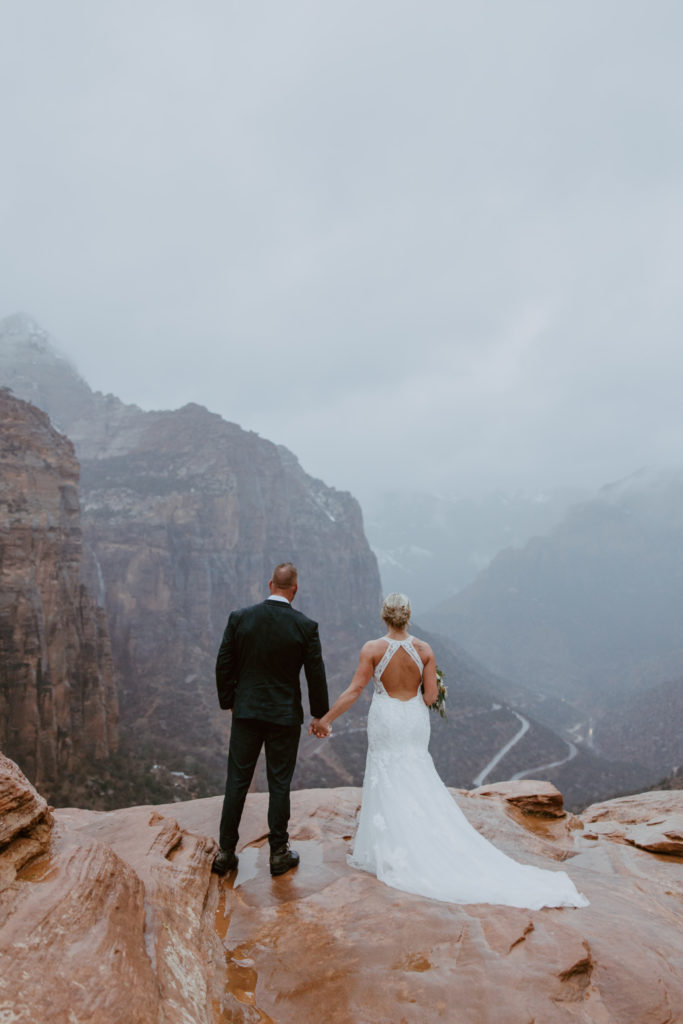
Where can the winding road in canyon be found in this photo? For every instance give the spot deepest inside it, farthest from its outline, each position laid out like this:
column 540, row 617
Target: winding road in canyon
column 525, row 725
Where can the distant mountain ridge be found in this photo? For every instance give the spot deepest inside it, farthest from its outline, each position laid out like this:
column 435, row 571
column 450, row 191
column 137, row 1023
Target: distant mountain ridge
column 431, row 546
column 183, row 517
column 591, row 612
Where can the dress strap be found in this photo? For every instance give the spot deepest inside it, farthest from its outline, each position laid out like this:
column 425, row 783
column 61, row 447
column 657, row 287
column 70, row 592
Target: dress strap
column 409, row 647
column 392, row 646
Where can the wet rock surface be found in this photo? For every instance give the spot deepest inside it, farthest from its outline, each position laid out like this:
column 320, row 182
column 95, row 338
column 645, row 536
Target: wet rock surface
column 122, row 920
column 111, row 921
column 330, row 943
column 651, row 821
column 528, row 795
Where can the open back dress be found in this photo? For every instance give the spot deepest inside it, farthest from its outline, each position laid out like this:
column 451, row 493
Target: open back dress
column 411, row 833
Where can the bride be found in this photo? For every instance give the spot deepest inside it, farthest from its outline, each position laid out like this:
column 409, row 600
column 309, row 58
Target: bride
column 411, row 833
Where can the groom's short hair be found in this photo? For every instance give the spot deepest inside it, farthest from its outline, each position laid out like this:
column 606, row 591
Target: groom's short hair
column 285, row 575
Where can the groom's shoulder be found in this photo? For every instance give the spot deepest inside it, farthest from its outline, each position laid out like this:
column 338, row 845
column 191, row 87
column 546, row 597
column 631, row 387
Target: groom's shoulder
column 264, row 607
column 247, row 611
column 303, row 619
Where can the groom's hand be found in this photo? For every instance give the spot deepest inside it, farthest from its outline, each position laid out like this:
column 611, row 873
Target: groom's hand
column 321, row 731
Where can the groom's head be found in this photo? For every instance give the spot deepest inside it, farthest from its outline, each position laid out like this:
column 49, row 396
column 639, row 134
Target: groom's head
column 284, row 581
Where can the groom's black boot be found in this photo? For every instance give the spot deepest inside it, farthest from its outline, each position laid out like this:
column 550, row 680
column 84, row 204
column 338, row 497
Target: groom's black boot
column 224, row 861
column 282, row 859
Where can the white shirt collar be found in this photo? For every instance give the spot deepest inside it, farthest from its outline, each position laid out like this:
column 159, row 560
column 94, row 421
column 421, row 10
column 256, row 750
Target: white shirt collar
column 278, row 597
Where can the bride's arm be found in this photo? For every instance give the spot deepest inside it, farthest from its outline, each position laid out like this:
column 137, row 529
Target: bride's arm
column 361, row 678
column 430, row 689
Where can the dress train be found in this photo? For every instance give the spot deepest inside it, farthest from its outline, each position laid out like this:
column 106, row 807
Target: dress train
column 411, row 833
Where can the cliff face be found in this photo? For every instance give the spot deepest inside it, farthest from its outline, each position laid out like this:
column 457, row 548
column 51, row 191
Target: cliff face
column 58, row 706
column 184, row 517
column 118, row 917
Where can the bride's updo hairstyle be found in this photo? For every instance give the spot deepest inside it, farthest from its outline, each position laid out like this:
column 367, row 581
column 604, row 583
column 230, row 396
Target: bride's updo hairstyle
column 396, row 610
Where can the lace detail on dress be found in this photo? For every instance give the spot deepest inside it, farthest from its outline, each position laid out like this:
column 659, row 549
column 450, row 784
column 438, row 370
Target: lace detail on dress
column 411, row 832
column 392, row 646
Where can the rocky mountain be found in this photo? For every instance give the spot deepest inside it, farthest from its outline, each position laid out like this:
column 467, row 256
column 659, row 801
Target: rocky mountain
column 112, row 917
column 431, row 546
column 58, row 701
column 184, row 515
column 591, row 612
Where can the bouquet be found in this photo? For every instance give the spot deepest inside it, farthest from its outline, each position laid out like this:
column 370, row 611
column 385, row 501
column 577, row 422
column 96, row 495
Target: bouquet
column 442, row 692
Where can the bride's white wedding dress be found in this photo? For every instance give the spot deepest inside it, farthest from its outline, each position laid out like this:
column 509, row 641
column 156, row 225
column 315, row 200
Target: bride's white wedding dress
column 411, row 833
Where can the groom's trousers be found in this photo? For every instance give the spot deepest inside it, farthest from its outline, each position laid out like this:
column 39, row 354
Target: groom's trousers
column 247, row 736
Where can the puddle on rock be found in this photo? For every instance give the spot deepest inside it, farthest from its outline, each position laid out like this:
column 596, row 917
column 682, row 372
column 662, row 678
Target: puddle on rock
column 222, row 919
column 258, row 888
column 248, row 866
column 241, row 976
column 253, row 885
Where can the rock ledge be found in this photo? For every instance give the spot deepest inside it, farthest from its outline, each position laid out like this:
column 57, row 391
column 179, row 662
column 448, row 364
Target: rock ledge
column 118, row 918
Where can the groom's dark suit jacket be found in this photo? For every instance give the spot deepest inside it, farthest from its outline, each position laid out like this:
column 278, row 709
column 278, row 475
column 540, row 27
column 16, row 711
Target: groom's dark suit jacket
column 263, row 651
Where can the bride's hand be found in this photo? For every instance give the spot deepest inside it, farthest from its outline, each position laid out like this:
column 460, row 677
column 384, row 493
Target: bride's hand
column 321, row 731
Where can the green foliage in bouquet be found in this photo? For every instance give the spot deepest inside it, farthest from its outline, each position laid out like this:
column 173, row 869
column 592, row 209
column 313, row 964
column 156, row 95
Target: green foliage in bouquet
column 442, row 692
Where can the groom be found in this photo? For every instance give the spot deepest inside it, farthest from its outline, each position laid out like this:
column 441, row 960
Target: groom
column 257, row 674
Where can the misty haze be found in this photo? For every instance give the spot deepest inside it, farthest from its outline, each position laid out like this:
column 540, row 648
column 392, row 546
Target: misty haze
column 389, row 291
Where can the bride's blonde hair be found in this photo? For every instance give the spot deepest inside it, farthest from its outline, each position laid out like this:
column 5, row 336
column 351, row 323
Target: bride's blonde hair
column 396, row 610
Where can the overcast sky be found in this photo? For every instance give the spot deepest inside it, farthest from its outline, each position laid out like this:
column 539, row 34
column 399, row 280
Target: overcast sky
column 433, row 244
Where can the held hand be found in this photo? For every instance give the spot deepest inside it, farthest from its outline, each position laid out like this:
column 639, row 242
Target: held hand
column 321, row 731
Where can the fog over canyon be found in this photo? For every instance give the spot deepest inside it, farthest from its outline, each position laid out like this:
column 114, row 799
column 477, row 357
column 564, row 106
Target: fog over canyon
column 125, row 539
column 125, row 547
column 389, row 291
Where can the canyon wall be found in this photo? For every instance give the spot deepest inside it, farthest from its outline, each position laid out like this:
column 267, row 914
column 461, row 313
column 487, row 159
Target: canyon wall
column 58, row 704
column 184, row 516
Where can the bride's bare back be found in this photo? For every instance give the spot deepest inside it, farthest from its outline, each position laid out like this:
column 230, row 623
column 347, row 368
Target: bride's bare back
column 400, row 679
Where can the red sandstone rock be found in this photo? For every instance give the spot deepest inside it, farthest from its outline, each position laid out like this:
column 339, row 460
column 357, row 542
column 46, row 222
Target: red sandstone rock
column 664, row 836
column 58, row 705
column 329, row 943
column 652, row 821
column 113, row 924
column 21, row 807
column 25, row 821
column 530, row 796
column 123, row 921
